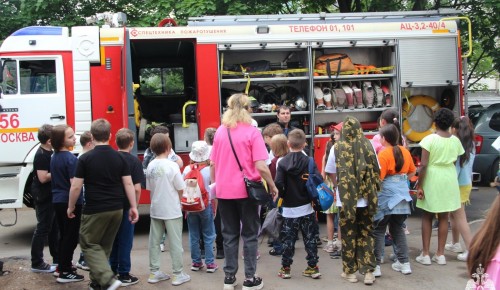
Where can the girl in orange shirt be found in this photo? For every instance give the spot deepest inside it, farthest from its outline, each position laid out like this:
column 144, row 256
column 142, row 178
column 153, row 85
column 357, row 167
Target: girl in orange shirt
column 396, row 166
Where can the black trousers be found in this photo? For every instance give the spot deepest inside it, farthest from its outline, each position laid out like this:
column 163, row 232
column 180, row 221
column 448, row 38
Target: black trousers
column 46, row 229
column 69, row 232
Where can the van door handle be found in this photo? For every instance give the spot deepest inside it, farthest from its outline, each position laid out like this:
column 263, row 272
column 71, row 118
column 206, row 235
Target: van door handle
column 60, row 117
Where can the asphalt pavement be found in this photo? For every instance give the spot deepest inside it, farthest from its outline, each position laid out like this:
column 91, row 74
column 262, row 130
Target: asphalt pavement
column 15, row 252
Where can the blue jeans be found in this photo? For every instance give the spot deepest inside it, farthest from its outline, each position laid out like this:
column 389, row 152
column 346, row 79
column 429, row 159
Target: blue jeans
column 201, row 222
column 119, row 259
column 400, row 245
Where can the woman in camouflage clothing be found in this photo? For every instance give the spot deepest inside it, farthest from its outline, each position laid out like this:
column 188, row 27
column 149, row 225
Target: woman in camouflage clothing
column 358, row 183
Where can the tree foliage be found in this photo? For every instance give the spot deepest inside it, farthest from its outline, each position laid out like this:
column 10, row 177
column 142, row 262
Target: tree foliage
column 484, row 15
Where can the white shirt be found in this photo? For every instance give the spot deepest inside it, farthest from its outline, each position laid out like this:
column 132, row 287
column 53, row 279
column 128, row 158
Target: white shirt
column 271, row 157
column 164, row 179
column 331, row 167
column 299, row 211
column 205, row 173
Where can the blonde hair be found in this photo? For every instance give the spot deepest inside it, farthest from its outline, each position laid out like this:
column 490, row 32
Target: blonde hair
column 237, row 111
column 279, row 145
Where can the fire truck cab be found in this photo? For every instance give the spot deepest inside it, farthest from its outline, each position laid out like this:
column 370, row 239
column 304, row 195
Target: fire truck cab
column 180, row 77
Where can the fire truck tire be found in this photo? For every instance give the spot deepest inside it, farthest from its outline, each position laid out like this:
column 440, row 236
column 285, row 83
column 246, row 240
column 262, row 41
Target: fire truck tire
column 142, row 130
column 415, row 101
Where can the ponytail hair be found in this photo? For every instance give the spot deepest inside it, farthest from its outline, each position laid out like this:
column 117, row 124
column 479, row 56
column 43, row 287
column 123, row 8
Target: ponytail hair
column 465, row 133
column 391, row 134
column 390, row 116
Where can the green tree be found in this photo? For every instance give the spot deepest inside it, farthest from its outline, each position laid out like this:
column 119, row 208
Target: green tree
column 484, row 14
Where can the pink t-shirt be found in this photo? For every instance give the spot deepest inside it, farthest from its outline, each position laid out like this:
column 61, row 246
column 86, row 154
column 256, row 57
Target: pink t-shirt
column 378, row 146
column 249, row 146
column 494, row 269
column 376, row 143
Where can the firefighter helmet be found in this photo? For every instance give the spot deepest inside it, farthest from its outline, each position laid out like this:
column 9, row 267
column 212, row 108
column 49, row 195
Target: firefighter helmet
column 300, row 104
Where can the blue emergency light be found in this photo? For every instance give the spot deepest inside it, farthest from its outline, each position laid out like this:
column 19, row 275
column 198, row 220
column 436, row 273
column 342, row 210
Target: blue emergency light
column 38, row 30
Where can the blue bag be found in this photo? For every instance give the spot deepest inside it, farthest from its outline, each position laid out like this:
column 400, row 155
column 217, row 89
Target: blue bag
column 319, row 193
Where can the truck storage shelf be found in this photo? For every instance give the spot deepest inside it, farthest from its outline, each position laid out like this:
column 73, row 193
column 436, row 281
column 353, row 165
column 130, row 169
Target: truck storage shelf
column 348, row 111
column 273, row 114
column 352, row 77
column 328, row 135
column 269, row 79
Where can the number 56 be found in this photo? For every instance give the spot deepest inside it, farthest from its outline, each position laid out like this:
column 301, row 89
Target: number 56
column 9, row 121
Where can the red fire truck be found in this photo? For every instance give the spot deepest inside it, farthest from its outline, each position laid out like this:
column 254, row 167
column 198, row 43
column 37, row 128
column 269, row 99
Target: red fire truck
column 180, row 77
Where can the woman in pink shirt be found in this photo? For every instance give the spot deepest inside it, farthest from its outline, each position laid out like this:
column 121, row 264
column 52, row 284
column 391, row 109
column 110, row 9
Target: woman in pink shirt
column 484, row 249
column 235, row 208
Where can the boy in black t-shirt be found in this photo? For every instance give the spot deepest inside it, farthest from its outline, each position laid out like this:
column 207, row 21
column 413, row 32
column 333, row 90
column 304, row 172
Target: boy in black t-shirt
column 122, row 246
column 107, row 180
column 46, row 226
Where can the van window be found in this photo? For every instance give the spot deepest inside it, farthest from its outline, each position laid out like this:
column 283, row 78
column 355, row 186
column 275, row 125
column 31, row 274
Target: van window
column 495, row 122
column 161, row 81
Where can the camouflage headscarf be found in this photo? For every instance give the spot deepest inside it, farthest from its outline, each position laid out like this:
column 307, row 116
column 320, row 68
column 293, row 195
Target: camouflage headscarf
column 357, row 168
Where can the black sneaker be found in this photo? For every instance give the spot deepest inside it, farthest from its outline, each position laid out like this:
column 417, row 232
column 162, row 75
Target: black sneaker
column 128, row 280
column 336, row 254
column 43, row 268
column 254, row 284
column 68, row 277
column 229, row 282
column 94, row 286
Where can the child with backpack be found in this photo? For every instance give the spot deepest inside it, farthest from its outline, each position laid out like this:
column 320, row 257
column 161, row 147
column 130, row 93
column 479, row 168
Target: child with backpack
column 200, row 214
column 298, row 212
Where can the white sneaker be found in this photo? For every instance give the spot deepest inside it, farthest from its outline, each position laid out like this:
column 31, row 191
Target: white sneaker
column 157, row 276
column 402, row 267
column 377, row 272
column 180, row 279
column 463, row 256
column 424, row 260
column 457, row 248
column 162, row 247
column 115, row 285
column 337, row 244
column 440, row 260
